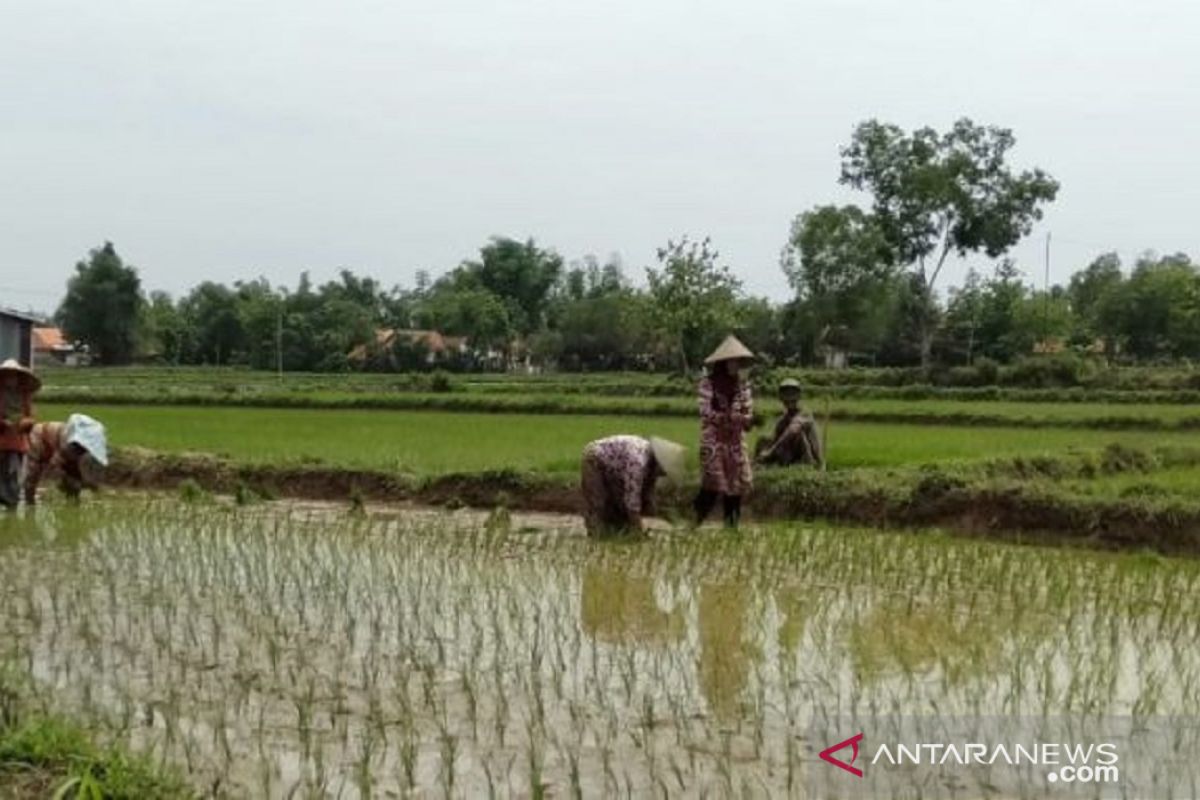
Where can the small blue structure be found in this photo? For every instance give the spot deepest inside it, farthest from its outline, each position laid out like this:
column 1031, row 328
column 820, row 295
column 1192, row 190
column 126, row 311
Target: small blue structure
column 16, row 336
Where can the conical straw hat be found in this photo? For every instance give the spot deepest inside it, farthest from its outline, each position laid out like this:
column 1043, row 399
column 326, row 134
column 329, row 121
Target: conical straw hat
column 730, row 350
column 670, row 456
column 33, row 382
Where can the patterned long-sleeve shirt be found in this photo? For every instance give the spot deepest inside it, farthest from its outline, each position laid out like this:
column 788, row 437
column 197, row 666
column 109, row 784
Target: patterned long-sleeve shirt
column 47, row 449
column 627, row 462
column 16, row 410
column 723, row 425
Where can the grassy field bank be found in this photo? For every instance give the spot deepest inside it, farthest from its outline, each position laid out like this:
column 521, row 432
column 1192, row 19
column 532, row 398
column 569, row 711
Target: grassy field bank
column 46, row 756
column 426, row 443
column 920, row 411
column 900, row 453
column 1117, row 488
column 1034, row 375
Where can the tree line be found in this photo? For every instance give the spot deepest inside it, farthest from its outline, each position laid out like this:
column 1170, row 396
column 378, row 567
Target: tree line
column 864, row 280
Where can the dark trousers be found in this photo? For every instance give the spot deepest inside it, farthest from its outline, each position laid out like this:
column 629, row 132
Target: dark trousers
column 731, row 505
column 10, row 478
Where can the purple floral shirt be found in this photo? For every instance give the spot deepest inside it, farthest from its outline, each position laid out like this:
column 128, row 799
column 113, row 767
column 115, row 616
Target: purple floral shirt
column 626, row 462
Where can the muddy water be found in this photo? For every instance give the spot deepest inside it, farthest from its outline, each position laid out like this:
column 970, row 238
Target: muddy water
column 306, row 651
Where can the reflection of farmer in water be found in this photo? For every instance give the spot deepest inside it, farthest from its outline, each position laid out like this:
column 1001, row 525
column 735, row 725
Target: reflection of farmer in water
column 725, row 657
column 17, row 387
column 67, row 447
column 618, row 480
column 620, row 608
column 796, row 439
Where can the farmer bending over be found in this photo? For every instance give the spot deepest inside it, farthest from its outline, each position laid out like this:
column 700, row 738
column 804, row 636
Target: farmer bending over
column 618, row 479
column 797, row 438
column 64, row 445
column 17, row 387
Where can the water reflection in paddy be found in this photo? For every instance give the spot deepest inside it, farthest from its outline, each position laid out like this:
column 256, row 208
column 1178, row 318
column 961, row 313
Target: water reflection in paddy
column 272, row 652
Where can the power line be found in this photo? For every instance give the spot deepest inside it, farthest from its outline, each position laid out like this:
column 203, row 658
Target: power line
column 34, row 292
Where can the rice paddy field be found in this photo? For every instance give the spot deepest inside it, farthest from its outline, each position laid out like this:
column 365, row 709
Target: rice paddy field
column 279, row 651
column 293, row 648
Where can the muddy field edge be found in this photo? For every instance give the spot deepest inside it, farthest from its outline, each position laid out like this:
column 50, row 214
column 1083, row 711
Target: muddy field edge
column 1008, row 499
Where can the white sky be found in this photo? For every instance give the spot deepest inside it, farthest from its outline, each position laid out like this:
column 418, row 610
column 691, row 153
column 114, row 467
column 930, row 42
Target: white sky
column 224, row 140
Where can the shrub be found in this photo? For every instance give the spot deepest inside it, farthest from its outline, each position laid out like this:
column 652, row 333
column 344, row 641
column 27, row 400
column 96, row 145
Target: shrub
column 243, row 495
column 190, row 491
column 1062, row 370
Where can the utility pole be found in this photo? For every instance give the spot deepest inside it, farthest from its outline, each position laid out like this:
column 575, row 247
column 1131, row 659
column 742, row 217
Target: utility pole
column 279, row 341
column 1046, row 291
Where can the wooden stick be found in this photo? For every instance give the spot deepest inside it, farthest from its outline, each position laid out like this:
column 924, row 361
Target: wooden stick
column 825, row 435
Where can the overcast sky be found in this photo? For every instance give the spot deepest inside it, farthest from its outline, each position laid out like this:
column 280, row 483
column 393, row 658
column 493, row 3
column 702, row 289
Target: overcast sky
column 224, row 140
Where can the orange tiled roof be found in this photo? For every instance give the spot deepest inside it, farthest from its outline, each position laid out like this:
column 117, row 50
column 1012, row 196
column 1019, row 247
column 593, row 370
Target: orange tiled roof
column 433, row 340
column 49, row 339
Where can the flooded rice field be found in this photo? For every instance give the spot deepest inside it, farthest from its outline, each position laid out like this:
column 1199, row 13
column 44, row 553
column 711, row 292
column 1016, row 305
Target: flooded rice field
column 288, row 651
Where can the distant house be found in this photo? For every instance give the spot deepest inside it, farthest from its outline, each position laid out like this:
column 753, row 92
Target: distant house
column 50, row 345
column 832, row 346
column 437, row 346
column 834, row 357
column 1051, row 345
column 16, row 336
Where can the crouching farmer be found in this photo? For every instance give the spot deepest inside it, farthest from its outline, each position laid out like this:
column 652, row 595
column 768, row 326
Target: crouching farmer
column 65, row 446
column 797, row 439
column 618, row 481
column 17, row 387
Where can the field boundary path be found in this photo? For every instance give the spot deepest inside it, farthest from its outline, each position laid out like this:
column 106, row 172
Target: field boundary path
column 1007, row 499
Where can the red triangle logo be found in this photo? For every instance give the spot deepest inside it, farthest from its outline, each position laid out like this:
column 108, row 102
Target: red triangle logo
column 827, row 755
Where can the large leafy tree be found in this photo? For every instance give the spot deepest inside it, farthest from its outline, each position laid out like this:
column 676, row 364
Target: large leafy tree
column 103, row 306
column 695, row 299
column 908, row 311
column 840, row 264
column 521, row 274
column 216, row 334
column 1158, row 310
column 1094, row 294
column 589, row 278
column 1001, row 335
column 261, row 312
column 963, row 316
column 161, row 330
column 475, row 313
column 760, row 327
column 1045, row 316
column 936, row 194
column 608, row 331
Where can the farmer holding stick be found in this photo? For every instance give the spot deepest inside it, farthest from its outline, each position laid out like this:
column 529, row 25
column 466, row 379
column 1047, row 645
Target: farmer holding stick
column 17, row 387
column 618, row 481
column 726, row 413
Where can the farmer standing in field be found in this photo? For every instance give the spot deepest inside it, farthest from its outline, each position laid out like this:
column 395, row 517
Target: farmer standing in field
column 17, row 387
column 65, row 446
column 618, row 480
column 797, row 439
column 726, row 413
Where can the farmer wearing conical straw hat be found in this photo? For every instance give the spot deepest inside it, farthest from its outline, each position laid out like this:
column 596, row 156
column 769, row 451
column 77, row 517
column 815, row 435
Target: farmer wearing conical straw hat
column 65, row 446
column 726, row 413
column 618, row 480
column 17, row 387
